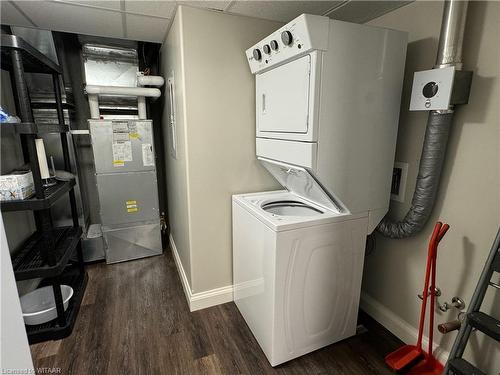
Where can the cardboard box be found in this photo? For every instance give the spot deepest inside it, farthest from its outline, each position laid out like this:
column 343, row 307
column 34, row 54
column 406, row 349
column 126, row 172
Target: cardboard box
column 16, row 185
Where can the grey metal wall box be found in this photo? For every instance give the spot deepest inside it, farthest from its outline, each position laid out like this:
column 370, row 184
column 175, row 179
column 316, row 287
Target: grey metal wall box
column 127, row 198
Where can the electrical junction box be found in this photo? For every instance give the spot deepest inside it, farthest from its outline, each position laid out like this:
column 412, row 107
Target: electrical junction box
column 432, row 89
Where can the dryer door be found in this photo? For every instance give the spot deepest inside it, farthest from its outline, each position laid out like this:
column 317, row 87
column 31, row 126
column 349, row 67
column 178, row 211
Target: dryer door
column 282, row 96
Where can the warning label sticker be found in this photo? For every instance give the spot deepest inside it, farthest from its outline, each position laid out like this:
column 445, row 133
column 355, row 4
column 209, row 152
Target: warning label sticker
column 144, row 131
column 122, row 151
column 120, row 137
column 132, row 206
column 122, row 147
column 120, row 127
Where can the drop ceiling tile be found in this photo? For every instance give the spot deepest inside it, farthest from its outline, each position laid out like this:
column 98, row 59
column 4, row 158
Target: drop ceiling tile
column 160, row 8
column 76, row 19
column 145, row 28
column 283, row 11
column 9, row 15
column 207, row 4
column 109, row 4
column 363, row 11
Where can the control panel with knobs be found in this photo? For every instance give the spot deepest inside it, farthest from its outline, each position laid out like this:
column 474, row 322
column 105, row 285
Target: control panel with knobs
column 300, row 36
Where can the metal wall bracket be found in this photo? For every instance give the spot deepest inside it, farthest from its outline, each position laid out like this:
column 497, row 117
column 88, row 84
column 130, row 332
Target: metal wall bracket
column 461, row 87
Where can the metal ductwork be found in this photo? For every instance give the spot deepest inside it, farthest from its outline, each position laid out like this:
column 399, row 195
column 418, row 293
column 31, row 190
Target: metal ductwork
column 437, row 131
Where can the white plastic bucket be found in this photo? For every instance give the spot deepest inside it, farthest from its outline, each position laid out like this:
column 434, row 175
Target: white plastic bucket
column 39, row 306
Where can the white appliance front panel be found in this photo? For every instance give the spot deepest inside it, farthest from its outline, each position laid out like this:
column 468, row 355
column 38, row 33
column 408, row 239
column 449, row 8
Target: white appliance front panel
column 293, row 131
column 293, row 152
column 283, row 98
column 253, row 270
column 318, row 278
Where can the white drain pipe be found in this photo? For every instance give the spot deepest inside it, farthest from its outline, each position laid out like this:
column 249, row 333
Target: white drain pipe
column 94, row 106
column 141, row 107
column 156, row 81
column 141, row 93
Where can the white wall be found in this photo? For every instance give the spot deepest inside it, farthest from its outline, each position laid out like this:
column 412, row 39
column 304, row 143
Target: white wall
column 215, row 102
column 15, row 352
column 469, row 196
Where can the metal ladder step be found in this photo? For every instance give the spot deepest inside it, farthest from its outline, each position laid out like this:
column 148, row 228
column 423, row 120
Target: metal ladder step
column 461, row 367
column 475, row 318
column 496, row 263
column 485, row 323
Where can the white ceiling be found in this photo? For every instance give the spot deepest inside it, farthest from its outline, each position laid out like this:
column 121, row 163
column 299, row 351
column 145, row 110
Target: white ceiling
column 150, row 20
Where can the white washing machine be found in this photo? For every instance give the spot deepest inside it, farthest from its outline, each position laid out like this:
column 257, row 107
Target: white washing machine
column 297, row 269
column 327, row 109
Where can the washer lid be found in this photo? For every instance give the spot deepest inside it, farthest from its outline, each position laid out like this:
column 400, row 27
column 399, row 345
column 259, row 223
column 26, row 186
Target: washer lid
column 301, row 182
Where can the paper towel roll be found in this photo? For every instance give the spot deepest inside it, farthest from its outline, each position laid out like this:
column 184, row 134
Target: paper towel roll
column 42, row 158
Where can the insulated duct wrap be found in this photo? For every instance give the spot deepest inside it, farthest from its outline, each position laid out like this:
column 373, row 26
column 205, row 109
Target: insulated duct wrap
column 437, row 131
column 429, row 174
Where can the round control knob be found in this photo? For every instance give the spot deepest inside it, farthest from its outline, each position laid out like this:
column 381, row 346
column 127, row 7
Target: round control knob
column 286, row 38
column 267, row 49
column 430, row 89
column 274, row 45
column 257, row 55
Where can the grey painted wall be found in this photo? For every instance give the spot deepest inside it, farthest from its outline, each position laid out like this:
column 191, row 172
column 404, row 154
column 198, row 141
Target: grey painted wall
column 469, row 196
column 215, row 101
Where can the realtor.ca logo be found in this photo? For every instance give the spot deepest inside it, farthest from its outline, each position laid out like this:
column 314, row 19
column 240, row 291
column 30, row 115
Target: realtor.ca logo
column 29, row 371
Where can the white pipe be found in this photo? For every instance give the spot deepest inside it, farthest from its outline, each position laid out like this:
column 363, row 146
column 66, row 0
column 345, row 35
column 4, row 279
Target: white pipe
column 128, row 91
column 141, row 107
column 80, row 132
column 94, row 106
column 157, row 81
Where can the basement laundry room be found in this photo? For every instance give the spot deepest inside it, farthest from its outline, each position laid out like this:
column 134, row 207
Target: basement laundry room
column 250, row 187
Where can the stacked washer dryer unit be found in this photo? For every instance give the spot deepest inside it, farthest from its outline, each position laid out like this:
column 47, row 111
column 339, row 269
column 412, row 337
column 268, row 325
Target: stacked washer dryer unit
column 327, row 101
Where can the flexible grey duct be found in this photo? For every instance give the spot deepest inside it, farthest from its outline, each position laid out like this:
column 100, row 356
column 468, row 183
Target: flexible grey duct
column 436, row 134
column 431, row 164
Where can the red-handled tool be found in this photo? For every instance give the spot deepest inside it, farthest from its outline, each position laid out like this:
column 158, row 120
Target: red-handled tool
column 409, row 354
column 430, row 365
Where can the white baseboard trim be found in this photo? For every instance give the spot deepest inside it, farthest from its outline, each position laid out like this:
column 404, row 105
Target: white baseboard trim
column 182, row 274
column 200, row 300
column 399, row 327
column 213, row 297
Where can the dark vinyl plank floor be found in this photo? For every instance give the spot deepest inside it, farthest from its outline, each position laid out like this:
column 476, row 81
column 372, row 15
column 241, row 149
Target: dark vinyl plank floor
column 134, row 319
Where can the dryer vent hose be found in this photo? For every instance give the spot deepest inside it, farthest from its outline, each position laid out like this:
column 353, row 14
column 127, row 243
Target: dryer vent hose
column 436, row 135
column 429, row 174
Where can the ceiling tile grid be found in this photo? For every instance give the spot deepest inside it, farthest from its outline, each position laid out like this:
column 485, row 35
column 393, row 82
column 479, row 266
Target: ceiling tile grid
column 282, row 11
column 158, row 8
column 150, row 20
column 67, row 17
